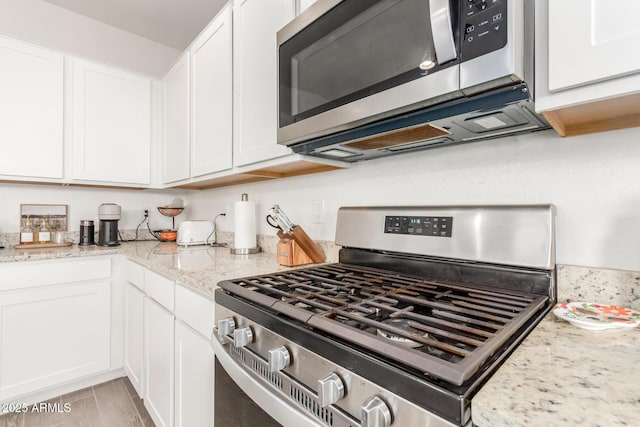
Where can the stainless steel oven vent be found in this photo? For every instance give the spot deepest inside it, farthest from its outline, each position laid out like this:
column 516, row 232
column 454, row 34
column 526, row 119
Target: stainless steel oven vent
column 308, row 401
column 263, row 371
column 288, row 388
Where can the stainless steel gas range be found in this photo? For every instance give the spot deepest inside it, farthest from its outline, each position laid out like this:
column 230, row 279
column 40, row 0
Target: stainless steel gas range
column 423, row 306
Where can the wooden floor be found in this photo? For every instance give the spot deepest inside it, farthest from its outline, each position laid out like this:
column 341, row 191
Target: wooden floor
column 114, row 403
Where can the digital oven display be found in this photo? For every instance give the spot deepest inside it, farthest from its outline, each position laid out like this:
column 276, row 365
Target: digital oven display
column 439, row 226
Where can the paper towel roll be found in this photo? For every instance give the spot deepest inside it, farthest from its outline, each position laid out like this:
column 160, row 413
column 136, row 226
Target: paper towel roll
column 245, row 225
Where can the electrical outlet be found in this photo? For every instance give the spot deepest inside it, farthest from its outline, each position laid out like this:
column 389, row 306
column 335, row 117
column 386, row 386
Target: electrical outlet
column 317, row 211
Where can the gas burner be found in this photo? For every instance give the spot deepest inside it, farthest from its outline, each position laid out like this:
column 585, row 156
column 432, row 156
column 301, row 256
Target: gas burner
column 350, row 322
column 341, row 296
column 398, row 339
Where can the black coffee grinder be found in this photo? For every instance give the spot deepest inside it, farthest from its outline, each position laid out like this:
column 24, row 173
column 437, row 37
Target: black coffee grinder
column 109, row 215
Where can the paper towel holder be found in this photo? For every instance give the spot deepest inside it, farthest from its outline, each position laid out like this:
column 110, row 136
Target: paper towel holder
column 245, row 251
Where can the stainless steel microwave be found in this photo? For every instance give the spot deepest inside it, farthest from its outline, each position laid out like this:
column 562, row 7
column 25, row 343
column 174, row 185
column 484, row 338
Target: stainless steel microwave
column 359, row 79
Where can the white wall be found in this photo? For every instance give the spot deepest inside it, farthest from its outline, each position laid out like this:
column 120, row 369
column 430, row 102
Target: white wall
column 83, row 204
column 43, row 23
column 593, row 180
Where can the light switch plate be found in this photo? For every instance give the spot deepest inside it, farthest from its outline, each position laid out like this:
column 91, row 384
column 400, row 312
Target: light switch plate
column 317, row 212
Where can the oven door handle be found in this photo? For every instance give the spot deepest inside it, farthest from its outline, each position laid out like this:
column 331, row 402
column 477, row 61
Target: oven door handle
column 442, row 30
column 263, row 397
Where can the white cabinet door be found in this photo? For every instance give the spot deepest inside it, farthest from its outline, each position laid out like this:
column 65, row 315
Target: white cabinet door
column 194, row 379
column 255, row 98
column 31, row 110
column 175, row 153
column 134, row 336
column 111, row 125
column 591, row 41
column 211, row 93
column 51, row 335
column 159, row 363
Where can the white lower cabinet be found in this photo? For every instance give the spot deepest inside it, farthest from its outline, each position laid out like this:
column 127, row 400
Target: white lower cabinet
column 159, row 380
column 53, row 332
column 194, row 361
column 134, row 336
column 168, row 356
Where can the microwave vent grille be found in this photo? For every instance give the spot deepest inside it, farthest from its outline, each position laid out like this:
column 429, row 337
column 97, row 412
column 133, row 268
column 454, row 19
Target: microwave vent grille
column 398, row 137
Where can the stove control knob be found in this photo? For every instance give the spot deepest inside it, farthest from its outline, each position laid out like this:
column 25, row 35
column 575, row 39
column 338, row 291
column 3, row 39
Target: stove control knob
column 226, row 326
column 242, row 337
column 375, row 413
column 330, row 390
column 279, row 358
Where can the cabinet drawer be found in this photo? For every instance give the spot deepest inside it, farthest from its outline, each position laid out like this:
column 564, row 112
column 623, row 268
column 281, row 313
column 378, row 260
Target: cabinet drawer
column 160, row 289
column 44, row 273
column 133, row 273
column 195, row 310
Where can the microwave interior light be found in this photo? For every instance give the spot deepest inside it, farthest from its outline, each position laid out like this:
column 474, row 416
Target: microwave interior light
column 427, row 64
column 490, row 122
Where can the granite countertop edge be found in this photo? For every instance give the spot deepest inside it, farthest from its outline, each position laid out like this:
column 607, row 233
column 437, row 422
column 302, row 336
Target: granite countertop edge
column 199, row 268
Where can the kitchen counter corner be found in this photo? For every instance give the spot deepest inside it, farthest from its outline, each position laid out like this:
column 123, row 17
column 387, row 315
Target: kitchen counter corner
column 563, row 375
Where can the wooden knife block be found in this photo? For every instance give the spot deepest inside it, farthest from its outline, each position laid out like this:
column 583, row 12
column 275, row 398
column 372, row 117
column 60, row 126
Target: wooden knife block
column 297, row 248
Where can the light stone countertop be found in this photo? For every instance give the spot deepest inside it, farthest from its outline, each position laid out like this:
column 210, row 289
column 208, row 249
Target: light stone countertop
column 200, row 267
column 196, row 267
column 560, row 374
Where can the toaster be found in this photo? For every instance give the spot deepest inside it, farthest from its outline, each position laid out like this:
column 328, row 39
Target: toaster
column 195, row 233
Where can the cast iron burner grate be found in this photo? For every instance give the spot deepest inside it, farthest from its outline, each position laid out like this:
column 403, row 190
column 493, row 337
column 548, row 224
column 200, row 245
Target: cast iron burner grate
column 444, row 329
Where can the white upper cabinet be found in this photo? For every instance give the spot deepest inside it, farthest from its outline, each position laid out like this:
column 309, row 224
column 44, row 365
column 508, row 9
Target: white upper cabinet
column 255, row 24
column 175, row 159
column 111, row 125
column 592, row 40
column 31, row 110
column 211, row 97
column 587, row 75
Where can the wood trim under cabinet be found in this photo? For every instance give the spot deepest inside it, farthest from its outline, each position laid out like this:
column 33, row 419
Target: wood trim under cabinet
column 263, row 174
column 610, row 114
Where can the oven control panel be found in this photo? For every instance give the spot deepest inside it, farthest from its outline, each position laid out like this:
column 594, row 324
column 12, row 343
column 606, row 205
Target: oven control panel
column 439, row 226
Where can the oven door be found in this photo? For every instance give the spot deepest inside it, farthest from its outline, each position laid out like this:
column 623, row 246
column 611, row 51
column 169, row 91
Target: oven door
column 346, row 63
column 242, row 401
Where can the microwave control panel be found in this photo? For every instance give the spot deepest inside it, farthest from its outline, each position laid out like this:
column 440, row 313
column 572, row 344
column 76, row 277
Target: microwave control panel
column 483, row 27
column 439, row 226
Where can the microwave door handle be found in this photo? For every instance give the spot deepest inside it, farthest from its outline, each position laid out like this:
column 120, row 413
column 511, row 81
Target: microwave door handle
column 442, row 30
